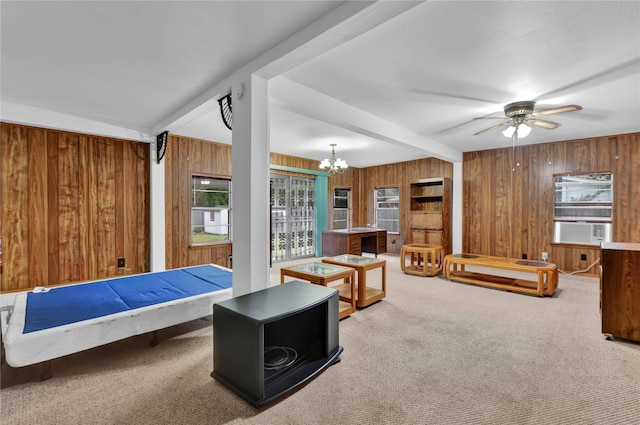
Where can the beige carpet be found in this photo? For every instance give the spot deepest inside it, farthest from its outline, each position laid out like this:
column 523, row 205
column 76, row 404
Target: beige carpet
column 432, row 352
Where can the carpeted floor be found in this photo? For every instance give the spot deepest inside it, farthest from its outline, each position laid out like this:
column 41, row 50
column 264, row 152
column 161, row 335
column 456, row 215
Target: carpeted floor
column 431, row 352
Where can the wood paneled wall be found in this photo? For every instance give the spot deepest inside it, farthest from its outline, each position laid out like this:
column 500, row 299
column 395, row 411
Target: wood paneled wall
column 294, row 162
column 363, row 181
column 72, row 204
column 400, row 174
column 184, row 157
column 187, row 156
column 510, row 213
column 181, row 163
column 349, row 180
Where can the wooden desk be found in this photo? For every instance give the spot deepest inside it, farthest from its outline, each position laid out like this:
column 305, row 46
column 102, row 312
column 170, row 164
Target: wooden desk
column 354, row 241
column 425, row 259
column 323, row 274
column 365, row 295
column 547, row 273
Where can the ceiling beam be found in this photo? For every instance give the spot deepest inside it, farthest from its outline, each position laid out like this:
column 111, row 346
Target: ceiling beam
column 293, row 97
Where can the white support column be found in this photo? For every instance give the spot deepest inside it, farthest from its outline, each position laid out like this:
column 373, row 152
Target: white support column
column 156, row 207
column 456, row 214
column 250, row 185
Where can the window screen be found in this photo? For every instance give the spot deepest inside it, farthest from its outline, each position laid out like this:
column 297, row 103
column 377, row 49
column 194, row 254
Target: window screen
column 210, row 210
column 387, row 209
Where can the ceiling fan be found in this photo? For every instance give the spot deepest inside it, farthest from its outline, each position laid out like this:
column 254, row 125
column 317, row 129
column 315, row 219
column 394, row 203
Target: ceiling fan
column 519, row 113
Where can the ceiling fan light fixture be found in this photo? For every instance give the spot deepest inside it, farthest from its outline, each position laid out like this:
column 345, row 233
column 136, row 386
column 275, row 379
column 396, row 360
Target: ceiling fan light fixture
column 508, row 132
column 523, row 131
column 519, row 113
column 519, row 109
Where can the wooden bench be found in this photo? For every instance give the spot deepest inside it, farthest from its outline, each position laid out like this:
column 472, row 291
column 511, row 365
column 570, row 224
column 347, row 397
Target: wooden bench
column 425, row 259
column 545, row 284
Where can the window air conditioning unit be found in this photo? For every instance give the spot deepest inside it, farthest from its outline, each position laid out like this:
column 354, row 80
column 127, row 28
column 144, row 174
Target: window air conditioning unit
column 581, row 233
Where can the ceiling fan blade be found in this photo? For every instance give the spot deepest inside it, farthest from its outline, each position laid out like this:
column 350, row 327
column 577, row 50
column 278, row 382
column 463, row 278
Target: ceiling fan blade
column 454, row 96
column 544, row 124
column 559, row 109
column 493, row 128
column 610, row 74
column 489, row 118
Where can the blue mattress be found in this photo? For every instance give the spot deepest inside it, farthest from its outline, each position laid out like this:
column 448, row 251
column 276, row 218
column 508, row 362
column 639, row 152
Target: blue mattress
column 70, row 304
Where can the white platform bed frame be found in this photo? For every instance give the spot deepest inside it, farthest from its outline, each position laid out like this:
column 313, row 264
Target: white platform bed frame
column 23, row 349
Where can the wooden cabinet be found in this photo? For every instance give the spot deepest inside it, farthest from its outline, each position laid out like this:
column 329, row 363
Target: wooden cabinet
column 430, row 212
column 620, row 290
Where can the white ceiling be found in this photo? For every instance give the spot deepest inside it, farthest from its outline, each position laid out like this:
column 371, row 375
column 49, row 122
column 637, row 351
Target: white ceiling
column 386, row 81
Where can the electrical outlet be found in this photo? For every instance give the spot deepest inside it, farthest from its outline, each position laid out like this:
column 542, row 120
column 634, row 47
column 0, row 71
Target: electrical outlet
column 120, row 263
column 545, row 256
column 583, row 257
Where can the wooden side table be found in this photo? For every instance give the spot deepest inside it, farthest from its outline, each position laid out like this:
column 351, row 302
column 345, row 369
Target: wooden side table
column 366, row 295
column 323, row 274
column 425, row 259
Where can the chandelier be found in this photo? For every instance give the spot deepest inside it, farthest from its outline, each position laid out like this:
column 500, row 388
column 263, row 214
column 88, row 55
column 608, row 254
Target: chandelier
column 333, row 165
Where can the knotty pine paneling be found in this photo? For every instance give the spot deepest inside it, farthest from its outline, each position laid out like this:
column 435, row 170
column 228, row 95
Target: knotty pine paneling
column 510, row 213
column 71, row 205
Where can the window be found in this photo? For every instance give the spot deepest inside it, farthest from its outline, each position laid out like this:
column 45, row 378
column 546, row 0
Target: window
column 341, row 208
column 583, row 208
column 387, row 209
column 210, row 210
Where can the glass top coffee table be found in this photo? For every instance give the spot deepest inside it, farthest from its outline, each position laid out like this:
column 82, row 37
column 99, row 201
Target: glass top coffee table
column 365, row 295
column 323, row 274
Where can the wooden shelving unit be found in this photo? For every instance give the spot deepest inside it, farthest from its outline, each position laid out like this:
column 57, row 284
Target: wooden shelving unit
column 430, row 212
